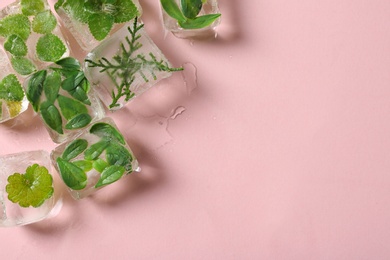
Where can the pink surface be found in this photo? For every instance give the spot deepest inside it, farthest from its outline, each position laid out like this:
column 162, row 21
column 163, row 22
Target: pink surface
column 282, row 152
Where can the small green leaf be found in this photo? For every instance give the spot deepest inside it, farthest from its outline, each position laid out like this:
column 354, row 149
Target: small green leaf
column 117, row 154
column 74, row 149
column 78, row 121
column 86, row 166
column 58, row 4
column 107, row 132
column 100, row 25
column 109, row 175
column 76, row 10
column 99, row 165
column 14, row 108
column 32, row 7
column 71, row 107
column 126, row 11
column 15, row 45
column 73, row 80
column 35, row 87
column 172, row 9
column 44, row 22
column 95, row 150
column 11, row 89
column 73, row 176
column 51, row 86
column 22, row 65
column 80, row 94
column 18, row 24
column 50, row 47
column 69, row 63
column 191, row 8
column 199, row 22
column 32, row 188
column 51, row 116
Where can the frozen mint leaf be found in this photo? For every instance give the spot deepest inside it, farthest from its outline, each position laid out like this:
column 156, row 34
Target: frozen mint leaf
column 80, row 94
column 199, row 22
column 107, row 132
column 11, row 89
column 15, row 45
column 84, row 165
column 79, row 121
column 191, row 8
column 51, row 116
column 51, row 86
column 69, row 63
column 99, row 165
column 74, row 149
column 76, row 10
column 117, row 154
column 22, row 65
column 71, row 107
column 50, row 48
column 32, row 7
column 73, row 80
column 172, row 9
column 35, row 87
column 14, row 108
column 95, row 150
column 44, row 22
column 100, row 25
column 31, row 188
column 109, row 175
column 126, row 10
column 73, row 176
column 18, row 24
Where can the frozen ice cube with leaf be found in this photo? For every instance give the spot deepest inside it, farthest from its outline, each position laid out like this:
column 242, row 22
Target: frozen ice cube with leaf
column 64, row 99
column 96, row 158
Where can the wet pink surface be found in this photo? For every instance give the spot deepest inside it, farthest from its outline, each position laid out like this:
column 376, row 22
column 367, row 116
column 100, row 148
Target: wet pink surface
column 280, row 148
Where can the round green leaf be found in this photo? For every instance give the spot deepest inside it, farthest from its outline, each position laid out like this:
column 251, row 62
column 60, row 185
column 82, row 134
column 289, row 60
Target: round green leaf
column 126, row 10
column 50, row 48
column 32, row 7
column 11, row 89
column 44, row 22
column 18, row 24
column 15, row 45
column 100, row 25
column 22, row 65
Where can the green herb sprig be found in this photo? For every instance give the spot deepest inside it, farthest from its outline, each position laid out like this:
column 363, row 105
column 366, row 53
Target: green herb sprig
column 187, row 15
column 127, row 64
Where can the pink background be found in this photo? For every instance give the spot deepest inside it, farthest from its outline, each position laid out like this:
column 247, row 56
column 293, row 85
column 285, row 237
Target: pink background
column 282, row 151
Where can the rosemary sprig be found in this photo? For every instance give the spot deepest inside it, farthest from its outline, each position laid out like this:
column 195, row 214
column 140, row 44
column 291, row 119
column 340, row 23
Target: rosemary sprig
column 127, row 64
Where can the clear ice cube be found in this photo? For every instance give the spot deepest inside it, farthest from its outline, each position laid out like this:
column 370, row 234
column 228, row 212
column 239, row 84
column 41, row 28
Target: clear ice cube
column 94, row 159
column 11, row 213
column 124, row 66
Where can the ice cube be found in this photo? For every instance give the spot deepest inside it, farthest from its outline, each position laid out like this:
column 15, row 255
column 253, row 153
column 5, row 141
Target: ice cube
column 90, row 22
column 63, row 97
column 94, row 159
column 43, row 191
column 31, row 36
column 124, row 66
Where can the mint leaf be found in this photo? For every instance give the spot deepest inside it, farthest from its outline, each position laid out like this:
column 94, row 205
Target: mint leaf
column 99, row 165
column 95, row 150
column 70, row 107
column 73, row 80
column 191, row 8
column 32, row 7
column 35, row 87
column 15, row 45
column 31, row 188
column 84, row 165
column 73, row 176
column 22, row 65
column 51, row 116
column 126, row 10
column 199, row 22
column 100, row 25
column 18, row 24
column 107, row 132
column 76, row 10
column 11, row 89
column 44, row 22
column 109, row 175
column 69, row 63
column 51, row 86
column 80, row 94
column 74, row 149
column 50, row 48
column 117, row 154
column 78, row 121
column 172, row 9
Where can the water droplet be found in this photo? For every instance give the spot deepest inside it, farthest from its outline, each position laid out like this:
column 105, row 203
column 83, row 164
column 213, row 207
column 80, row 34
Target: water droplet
column 178, row 111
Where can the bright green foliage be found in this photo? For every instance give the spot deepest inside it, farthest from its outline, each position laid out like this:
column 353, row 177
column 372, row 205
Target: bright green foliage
column 95, row 150
column 74, row 149
column 35, row 87
column 100, row 25
column 110, row 174
column 199, row 22
column 32, row 7
column 51, row 116
column 78, row 121
column 99, row 165
column 71, row 107
column 44, row 22
column 51, row 86
column 11, row 89
column 22, row 65
column 32, row 188
column 15, row 45
column 73, row 176
column 50, row 47
column 107, row 132
column 18, row 24
column 86, row 166
column 191, row 8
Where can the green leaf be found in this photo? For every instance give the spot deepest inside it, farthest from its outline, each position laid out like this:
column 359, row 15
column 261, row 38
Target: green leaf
column 11, row 89
column 15, row 45
column 78, row 121
column 18, row 24
column 35, row 87
column 117, row 154
column 22, row 65
column 73, row 176
column 86, row 166
column 126, row 11
column 99, row 165
column 71, row 107
column 172, row 9
column 14, row 108
column 51, row 116
column 74, row 149
column 50, row 48
column 44, row 22
column 199, row 22
column 73, row 80
column 108, row 132
column 109, row 175
column 58, row 4
column 80, row 94
column 32, row 188
column 32, row 7
column 191, row 8
column 69, row 63
column 100, row 25
column 95, row 150
column 51, row 86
